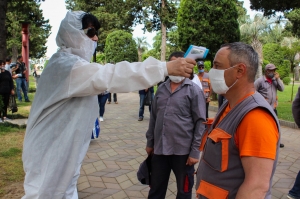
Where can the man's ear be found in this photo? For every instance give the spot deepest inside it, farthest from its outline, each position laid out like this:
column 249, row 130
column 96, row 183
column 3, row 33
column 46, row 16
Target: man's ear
column 241, row 70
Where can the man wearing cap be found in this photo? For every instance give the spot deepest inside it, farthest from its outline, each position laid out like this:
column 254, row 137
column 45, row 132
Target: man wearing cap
column 206, row 87
column 268, row 85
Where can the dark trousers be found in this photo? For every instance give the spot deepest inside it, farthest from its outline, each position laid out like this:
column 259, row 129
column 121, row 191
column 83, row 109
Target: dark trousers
column 5, row 100
column 207, row 105
column 114, row 95
column 142, row 106
column 295, row 191
column 161, row 169
column 102, row 101
column 21, row 84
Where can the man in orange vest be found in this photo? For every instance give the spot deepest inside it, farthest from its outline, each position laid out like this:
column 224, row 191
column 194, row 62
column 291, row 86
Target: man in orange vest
column 206, row 87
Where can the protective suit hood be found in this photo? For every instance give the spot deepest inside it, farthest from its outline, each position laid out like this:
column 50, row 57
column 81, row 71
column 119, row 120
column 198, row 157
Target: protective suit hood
column 71, row 37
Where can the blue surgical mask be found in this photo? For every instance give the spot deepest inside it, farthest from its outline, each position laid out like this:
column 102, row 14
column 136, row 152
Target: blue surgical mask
column 200, row 70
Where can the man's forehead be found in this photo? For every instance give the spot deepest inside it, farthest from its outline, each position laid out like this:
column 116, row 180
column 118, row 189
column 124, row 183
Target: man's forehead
column 221, row 55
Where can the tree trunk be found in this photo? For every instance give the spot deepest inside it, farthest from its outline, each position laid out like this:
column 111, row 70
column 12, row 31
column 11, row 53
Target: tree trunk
column 14, row 52
column 163, row 35
column 256, row 44
column 296, row 73
column 140, row 54
column 3, row 10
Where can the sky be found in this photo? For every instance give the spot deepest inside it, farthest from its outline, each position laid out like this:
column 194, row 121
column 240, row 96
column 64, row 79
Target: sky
column 55, row 11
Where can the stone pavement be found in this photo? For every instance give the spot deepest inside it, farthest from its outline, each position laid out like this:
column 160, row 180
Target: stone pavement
column 110, row 166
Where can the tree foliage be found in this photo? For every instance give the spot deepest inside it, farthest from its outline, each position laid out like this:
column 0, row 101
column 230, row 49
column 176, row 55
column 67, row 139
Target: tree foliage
column 207, row 23
column 269, row 7
column 120, row 46
column 29, row 13
column 275, row 54
column 39, row 28
column 112, row 14
column 294, row 18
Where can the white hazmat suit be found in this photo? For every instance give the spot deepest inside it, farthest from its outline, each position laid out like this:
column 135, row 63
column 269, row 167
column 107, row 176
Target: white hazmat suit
column 65, row 108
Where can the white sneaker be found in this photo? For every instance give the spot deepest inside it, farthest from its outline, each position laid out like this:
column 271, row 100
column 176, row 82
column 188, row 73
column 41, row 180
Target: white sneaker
column 101, row 119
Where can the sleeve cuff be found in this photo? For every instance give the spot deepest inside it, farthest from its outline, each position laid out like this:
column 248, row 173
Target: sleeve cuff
column 150, row 143
column 164, row 66
column 195, row 154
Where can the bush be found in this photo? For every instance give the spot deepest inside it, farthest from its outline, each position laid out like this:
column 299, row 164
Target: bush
column 31, row 90
column 120, row 46
column 286, row 80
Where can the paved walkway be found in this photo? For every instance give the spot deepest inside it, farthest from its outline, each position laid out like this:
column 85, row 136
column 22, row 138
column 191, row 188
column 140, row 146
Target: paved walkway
column 110, row 166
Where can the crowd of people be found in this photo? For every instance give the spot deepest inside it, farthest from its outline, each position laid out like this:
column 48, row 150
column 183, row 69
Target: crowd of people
column 239, row 147
column 8, row 73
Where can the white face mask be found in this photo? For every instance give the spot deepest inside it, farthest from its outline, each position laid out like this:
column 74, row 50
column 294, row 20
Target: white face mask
column 217, row 81
column 176, row 79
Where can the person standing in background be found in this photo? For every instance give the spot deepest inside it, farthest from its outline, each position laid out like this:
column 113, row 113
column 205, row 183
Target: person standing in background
column 142, row 94
column 114, row 96
column 268, row 85
column 206, row 87
column 6, row 89
column 102, row 101
column 21, row 81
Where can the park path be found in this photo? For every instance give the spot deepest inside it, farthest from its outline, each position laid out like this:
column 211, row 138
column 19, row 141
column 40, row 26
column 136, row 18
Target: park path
column 110, row 166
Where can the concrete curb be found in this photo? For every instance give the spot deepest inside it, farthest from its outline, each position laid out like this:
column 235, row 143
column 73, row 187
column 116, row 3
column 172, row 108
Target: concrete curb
column 281, row 122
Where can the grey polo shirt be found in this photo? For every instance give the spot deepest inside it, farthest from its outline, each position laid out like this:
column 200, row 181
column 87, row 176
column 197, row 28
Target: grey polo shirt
column 269, row 91
column 176, row 121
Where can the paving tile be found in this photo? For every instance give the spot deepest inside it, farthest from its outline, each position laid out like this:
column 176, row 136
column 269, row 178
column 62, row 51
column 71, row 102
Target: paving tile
column 83, row 186
column 112, row 185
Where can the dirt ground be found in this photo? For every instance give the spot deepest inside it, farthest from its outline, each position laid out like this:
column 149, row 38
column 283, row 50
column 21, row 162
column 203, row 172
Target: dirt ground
column 13, row 191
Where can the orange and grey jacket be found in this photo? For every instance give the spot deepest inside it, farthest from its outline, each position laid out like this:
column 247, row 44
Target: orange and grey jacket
column 205, row 85
column 220, row 172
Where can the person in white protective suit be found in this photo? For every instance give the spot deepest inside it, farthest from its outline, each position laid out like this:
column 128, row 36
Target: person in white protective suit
column 65, row 105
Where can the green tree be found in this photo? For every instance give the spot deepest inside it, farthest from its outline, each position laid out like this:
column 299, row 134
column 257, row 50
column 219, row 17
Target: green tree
column 112, row 14
column 3, row 21
column 251, row 31
column 39, row 28
column 207, row 23
column 269, row 7
column 292, row 47
column 142, row 46
column 120, row 46
column 160, row 15
column 294, row 18
column 275, row 54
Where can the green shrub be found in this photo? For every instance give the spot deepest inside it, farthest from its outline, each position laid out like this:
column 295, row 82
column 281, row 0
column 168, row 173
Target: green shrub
column 286, row 80
column 31, row 89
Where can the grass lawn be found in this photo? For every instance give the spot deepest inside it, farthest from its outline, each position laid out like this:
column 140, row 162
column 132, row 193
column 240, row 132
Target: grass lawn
column 11, row 166
column 11, row 144
column 284, row 108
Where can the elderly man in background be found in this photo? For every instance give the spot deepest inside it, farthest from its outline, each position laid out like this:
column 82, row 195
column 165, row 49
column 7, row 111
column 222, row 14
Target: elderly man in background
column 268, row 85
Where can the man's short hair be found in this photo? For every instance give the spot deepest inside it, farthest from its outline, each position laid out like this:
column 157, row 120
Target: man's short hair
column 243, row 53
column 90, row 20
column 8, row 59
column 19, row 57
column 176, row 54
